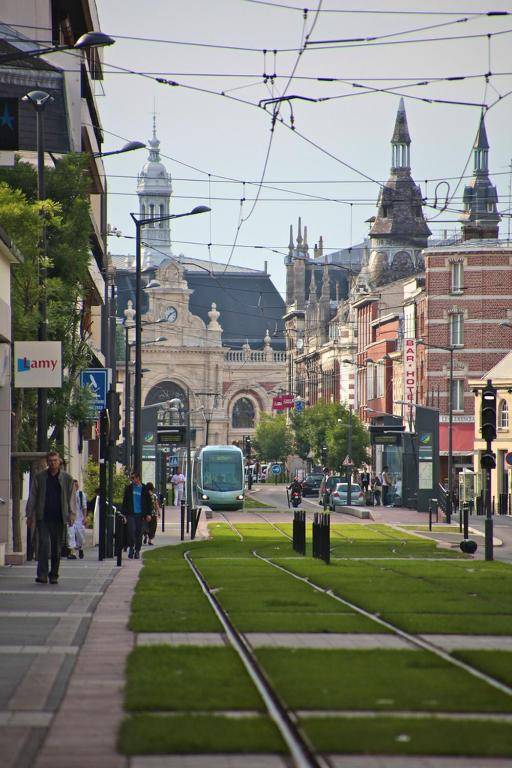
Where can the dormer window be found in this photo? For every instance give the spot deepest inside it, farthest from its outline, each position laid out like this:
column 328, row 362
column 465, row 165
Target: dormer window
column 386, row 210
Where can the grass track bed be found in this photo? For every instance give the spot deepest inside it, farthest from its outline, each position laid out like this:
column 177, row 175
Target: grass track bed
column 498, row 664
column 409, row 736
column 377, row 680
column 198, row 734
column 421, row 596
column 163, row 678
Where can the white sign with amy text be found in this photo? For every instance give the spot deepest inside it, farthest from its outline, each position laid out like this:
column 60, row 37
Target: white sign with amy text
column 37, row 364
column 410, row 377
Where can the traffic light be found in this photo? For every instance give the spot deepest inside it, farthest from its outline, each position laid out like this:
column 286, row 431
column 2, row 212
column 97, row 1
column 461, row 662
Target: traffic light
column 247, row 447
column 488, row 460
column 324, row 455
column 488, row 413
column 114, row 409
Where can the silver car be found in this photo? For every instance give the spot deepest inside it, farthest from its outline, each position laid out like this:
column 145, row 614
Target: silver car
column 340, row 494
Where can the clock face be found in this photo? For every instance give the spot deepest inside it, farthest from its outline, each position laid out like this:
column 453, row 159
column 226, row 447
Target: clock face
column 170, row 314
column 300, row 343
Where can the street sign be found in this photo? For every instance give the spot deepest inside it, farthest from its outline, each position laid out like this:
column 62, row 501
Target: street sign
column 347, row 462
column 508, row 458
column 96, row 381
column 281, row 402
column 299, row 405
column 276, row 469
column 172, row 461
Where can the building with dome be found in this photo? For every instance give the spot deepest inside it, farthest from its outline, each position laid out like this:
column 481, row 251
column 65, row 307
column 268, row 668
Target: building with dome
column 222, row 330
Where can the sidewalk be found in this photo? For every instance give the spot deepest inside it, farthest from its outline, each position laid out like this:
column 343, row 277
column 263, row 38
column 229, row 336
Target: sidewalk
column 62, row 656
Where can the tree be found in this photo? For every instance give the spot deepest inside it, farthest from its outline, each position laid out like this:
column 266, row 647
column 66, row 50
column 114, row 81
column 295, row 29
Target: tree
column 273, row 439
column 325, row 426
column 68, row 229
column 336, row 439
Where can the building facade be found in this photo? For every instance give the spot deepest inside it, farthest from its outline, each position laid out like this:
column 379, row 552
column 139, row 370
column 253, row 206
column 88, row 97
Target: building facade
column 220, row 327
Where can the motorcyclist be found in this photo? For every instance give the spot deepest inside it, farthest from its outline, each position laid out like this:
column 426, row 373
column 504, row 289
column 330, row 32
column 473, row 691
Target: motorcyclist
column 295, row 486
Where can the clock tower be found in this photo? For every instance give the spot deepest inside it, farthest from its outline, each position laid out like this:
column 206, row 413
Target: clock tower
column 154, row 189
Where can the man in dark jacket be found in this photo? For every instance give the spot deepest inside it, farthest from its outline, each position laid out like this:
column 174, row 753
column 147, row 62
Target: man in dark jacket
column 51, row 507
column 136, row 506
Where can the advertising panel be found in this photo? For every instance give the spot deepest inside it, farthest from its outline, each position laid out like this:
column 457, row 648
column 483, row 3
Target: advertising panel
column 37, row 364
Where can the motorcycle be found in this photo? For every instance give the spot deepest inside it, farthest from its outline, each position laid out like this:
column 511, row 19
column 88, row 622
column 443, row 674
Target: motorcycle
column 296, row 499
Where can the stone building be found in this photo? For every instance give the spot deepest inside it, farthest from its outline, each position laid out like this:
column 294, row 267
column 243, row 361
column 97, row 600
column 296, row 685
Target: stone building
column 221, row 325
column 328, row 332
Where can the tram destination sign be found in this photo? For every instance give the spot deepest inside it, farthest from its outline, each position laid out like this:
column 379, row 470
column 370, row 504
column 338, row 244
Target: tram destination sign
column 171, row 435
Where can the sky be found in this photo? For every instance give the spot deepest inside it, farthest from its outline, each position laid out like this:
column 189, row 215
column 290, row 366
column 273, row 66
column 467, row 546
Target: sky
column 218, row 143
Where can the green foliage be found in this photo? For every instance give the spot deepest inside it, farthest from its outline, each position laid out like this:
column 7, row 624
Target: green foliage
column 65, row 214
column 92, row 481
column 273, row 439
column 327, row 425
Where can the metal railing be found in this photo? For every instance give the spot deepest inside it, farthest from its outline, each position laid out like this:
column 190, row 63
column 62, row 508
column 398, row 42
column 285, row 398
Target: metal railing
column 254, row 356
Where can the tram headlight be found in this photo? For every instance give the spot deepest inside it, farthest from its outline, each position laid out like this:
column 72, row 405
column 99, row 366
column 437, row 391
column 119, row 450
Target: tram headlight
column 204, row 497
column 241, row 497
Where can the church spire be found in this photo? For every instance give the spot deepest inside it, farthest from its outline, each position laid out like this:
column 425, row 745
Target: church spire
column 401, row 140
column 326, row 289
column 313, row 297
column 480, row 218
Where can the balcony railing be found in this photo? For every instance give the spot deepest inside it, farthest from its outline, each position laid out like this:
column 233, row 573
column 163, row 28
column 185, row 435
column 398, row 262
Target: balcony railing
column 254, row 356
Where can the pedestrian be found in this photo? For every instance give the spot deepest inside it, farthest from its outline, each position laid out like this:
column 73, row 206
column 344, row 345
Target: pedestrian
column 136, row 505
column 76, row 530
column 151, row 524
column 386, row 485
column 51, row 507
column 376, row 490
column 178, row 483
column 364, row 479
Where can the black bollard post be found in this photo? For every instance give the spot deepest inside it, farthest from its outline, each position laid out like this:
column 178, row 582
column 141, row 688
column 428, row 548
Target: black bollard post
column 465, row 515
column 314, row 537
column 182, row 520
column 163, row 513
column 119, row 538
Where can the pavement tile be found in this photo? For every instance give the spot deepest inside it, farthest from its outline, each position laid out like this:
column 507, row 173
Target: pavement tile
column 208, row 761
column 330, row 640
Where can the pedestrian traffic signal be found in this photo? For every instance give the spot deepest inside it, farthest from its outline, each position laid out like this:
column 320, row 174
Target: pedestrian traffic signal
column 247, row 447
column 488, row 413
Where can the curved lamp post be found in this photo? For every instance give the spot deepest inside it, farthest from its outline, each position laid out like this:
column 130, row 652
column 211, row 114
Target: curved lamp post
column 89, row 40
column 139, row 223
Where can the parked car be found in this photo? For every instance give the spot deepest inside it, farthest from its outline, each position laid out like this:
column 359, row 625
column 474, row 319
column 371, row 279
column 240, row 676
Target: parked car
column 311, row 485
column 339, row 497
column 327, row 486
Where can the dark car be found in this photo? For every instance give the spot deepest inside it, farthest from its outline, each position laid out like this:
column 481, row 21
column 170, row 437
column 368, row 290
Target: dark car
column 311, row 485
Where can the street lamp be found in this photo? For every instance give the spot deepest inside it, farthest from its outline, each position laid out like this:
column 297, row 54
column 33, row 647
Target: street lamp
column 449, row 349
column 139, row 223
column 89, row 40
column 130, row 146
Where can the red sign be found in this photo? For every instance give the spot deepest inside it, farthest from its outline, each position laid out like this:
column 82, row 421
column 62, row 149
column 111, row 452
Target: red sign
column 410, row 378
column 281, row 402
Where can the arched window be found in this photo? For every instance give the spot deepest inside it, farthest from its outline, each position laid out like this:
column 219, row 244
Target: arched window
column 503, row 415
column 243, row 414
column 161, row 213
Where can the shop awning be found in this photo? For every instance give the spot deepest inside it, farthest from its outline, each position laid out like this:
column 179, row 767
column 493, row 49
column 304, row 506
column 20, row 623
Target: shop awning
column 463, row 439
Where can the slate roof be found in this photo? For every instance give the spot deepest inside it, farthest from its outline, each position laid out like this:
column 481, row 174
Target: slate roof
column 248, row 301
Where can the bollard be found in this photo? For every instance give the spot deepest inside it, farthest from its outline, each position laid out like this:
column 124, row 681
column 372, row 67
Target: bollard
column 299, row 531
column 465, row 516
column 163, row 517
column 322, row 536
column 119, row 538
column 182, row 520
column 195, row 515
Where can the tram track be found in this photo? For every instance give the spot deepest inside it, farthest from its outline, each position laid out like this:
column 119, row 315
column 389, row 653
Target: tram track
column 414, row 639
column 301, row 751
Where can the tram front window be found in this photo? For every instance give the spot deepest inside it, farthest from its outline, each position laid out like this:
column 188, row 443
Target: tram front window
column 222, row 472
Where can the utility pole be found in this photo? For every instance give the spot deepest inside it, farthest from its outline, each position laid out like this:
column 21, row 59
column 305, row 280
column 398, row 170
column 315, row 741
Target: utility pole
column 488, row 460
column 349, row 451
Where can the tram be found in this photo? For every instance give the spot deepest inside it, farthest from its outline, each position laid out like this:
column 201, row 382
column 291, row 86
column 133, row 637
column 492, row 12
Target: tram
column 218, row 477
